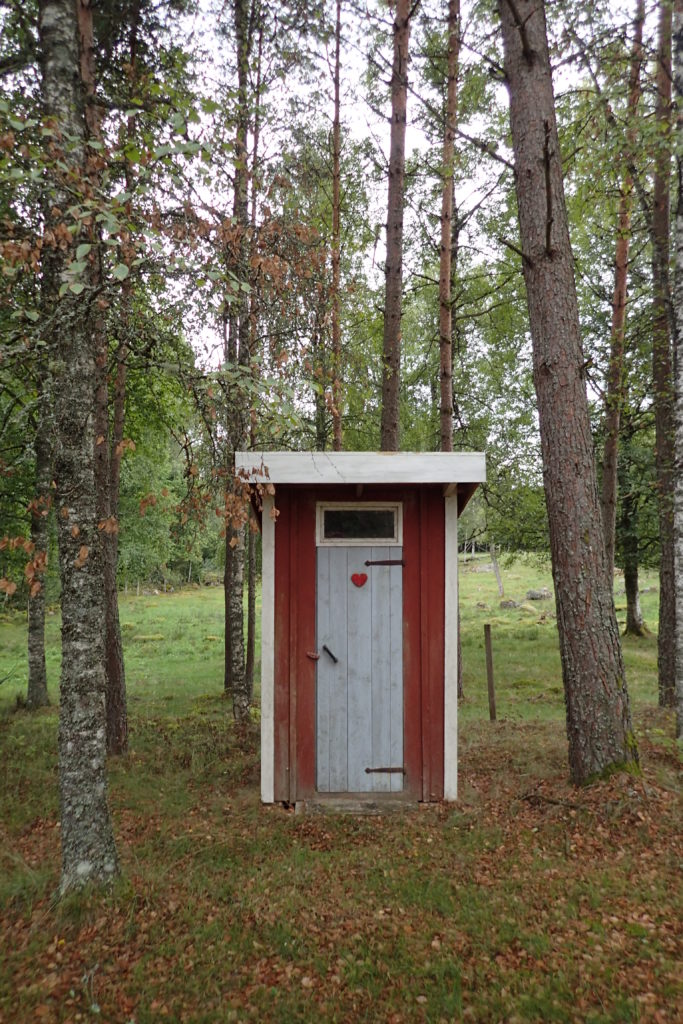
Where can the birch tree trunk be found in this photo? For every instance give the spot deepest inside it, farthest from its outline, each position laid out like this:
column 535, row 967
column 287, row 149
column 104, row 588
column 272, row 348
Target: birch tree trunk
column 107, row 450
column 88, row 849
column 391, row 347
column 614, row 399
column 662, row 370
column 597, row 706
column 678, row 364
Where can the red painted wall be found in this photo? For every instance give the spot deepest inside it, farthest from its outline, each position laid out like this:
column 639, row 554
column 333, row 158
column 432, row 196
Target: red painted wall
column 423, row 641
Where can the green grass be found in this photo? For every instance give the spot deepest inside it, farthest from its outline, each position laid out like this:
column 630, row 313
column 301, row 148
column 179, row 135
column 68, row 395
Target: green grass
column 525, row 901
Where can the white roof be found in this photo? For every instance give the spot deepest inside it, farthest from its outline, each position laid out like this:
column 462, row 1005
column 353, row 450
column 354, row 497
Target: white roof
column 363, row 467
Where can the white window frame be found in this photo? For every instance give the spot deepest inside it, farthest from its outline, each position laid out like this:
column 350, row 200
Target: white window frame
column 359, row 542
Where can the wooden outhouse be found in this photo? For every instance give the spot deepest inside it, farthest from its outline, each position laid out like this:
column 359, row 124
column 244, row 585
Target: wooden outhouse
column 359, row 622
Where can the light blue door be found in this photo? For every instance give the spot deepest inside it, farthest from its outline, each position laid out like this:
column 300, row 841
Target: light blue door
column 359, row 712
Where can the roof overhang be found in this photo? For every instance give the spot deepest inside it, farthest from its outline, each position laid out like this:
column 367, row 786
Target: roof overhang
column 455, row 471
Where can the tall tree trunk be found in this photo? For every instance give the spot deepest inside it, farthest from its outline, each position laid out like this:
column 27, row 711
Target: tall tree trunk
column 662, row 371
column 391, row 348
column 635, row 625
column 238, row 354
column 107, row 456
column 446, row 260
column 445, row 302
column 628, row 530
column 251, row 613
column 37, row 696
column 336, row 244
column 253, row 352
column 678, row 364
column 88, row 849
column 598, row 715
column 614, row 399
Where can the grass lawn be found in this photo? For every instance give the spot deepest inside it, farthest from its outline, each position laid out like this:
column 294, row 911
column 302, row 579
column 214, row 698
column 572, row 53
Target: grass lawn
column 528, row 900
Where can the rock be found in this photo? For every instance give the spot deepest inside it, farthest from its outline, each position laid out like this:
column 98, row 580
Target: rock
column 538, row 595
column 509, row 604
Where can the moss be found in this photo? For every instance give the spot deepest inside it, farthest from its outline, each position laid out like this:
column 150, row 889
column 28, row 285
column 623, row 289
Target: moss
column 630, row 767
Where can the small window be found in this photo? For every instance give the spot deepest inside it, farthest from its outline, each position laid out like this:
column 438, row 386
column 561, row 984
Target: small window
column 358, row 524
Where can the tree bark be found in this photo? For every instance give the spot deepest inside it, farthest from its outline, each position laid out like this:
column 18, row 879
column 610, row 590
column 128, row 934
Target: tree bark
column 391, row 346
column 238, row 353
column 88, row 849
column 635, row 625
column 37, row 696
column 336, row 244
column 597, row 706
column 615, row 394
column 678, row 364
column 445, row 302
column 253, row 352
column 251, row 613
column 662, row 370
column 107, row 453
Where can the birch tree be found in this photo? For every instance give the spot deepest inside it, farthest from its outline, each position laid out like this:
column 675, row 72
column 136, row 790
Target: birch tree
column 88, row 849
column 596, row 698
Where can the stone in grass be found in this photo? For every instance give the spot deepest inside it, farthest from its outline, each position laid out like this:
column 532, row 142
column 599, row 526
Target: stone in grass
column 509, row 604
column 538, row 595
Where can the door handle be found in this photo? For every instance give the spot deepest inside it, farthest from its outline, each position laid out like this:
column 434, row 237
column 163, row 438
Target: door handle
column 328, row 651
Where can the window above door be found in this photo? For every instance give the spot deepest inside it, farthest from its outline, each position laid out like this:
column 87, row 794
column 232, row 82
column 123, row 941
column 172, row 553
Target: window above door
column 354, row 523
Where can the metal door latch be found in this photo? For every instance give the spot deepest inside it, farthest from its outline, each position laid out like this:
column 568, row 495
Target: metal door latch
column 400, row 770
column 328, row 651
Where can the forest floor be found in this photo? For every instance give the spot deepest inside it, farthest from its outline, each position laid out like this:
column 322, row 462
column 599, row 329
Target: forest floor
column 527, row 900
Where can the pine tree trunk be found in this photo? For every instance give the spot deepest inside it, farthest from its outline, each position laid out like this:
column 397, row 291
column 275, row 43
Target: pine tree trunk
column 117, row 708
column 235, row 675
column 678, row 364
column 253, row 352
column 662, row 370
column 37, row 696
column 391, row 348
column 597, row 705
column 238, row 353
column 445, row 302
column 336, row 244
column 615, row 394
column 448, row 234
column 88, row 850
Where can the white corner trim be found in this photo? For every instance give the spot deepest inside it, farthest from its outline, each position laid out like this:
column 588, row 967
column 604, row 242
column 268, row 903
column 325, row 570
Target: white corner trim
column 268, row 652
column 450, row 717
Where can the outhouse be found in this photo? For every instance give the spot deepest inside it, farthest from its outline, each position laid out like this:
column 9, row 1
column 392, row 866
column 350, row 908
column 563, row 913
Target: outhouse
column 359, row 622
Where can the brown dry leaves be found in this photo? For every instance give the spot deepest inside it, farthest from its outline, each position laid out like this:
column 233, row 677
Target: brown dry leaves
column 528, row 900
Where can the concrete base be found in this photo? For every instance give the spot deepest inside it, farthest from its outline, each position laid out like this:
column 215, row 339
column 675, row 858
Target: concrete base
column 356, row 803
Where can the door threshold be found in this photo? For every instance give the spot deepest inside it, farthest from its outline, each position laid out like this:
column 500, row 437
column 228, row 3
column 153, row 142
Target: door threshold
column 356, row 803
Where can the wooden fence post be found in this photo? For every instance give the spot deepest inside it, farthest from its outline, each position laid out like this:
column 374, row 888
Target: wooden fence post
column 489, row 672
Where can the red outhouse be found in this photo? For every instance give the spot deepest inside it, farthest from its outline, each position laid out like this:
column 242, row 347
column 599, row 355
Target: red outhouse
column 359, row 622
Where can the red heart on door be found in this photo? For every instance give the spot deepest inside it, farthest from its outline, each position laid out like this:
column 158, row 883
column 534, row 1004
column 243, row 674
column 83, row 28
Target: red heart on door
column 359, row 579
